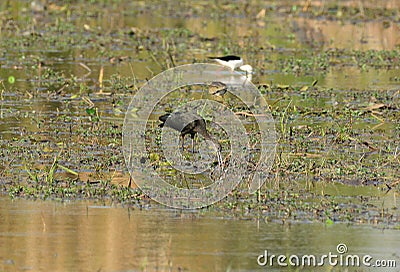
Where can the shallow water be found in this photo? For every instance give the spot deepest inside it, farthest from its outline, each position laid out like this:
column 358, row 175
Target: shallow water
column 43, row 115
column 85, row 236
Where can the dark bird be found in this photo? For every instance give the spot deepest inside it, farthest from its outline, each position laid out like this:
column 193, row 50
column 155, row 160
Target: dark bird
column 187, row 123
column 230, row 61
column 217, row 88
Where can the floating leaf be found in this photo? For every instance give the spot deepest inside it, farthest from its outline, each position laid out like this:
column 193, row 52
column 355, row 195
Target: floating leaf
column 314, row 82
column 91, row 111
column 329, row 222
column 261, row 14
column 154, row 157
column 281, row 86
column 134, row 111
column 304, row 88
column 68, row 170
column 11, row 79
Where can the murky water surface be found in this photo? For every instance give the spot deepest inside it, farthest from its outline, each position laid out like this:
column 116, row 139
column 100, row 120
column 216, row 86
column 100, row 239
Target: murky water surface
column 57, row 64
column 84, row 236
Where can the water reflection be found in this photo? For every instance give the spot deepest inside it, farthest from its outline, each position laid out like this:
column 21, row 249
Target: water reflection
column 81, row 236
column 368, row 35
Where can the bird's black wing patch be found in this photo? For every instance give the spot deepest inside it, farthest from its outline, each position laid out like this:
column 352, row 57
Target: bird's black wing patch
column 226, row 58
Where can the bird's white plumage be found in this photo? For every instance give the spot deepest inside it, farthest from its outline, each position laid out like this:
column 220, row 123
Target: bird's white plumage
column 247, row 68
column 232, row 64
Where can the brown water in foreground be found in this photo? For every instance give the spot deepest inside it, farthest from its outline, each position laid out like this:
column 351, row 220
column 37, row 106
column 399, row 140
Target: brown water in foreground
column 80, row 236
column 48, row 79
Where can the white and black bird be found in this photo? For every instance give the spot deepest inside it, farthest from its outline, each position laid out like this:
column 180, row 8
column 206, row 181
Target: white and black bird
column 247, row 68
column 230, row 61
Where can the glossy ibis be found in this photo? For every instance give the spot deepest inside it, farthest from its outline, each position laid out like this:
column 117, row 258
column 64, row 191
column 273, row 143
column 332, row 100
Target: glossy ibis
column 188, row 123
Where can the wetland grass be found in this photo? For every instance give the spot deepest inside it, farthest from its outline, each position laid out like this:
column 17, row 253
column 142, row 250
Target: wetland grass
column 62, row 107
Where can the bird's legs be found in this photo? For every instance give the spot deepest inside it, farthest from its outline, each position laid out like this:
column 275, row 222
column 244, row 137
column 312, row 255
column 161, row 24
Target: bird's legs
column 193, row 143
column 183, row 142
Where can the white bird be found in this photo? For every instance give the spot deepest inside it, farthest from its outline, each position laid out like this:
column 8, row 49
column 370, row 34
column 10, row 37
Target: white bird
column 247, row 68
column 230, row 61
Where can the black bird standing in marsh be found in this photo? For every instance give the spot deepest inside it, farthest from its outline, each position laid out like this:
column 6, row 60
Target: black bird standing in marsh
column 188, row 123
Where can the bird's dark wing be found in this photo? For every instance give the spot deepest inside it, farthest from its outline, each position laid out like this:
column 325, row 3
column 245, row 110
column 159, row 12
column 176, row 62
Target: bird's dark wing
column 184, row 122
column 226, row 58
